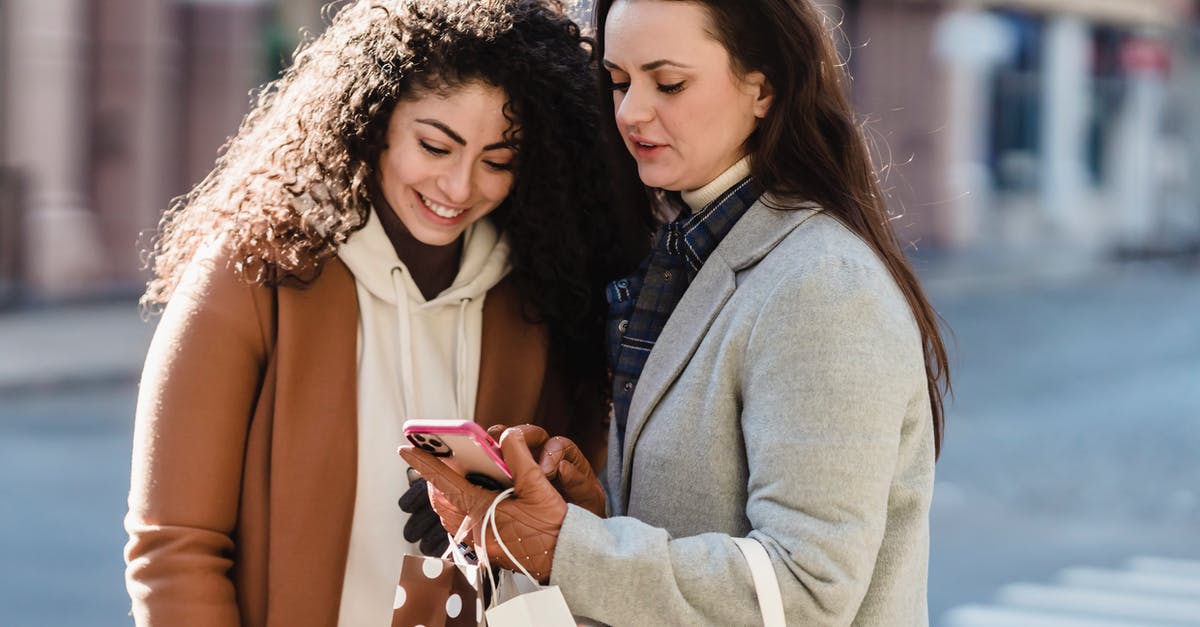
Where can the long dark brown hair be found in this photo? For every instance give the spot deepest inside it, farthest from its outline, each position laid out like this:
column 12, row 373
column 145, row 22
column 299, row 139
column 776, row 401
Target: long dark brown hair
column 809, row 145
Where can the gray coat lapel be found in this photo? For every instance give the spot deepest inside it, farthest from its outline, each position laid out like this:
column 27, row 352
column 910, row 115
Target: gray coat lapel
column 754, row 235
column 687, row 325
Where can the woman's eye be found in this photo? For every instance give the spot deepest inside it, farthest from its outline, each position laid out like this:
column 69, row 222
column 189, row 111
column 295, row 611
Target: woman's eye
column 433, row 150
column 499, row 167
column 615, row 86
column 671, row 89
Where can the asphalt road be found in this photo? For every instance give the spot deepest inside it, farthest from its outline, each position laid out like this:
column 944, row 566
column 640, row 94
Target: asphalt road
column 64, row 475
column 1074, row 436
column 1073, row 441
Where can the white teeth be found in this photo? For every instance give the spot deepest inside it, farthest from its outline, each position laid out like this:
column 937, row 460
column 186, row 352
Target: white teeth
column 441, row 210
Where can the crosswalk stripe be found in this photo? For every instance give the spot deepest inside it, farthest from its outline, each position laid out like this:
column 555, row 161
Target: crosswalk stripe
column 991, row 616
column 1130, row 581
column 1100, row 602
column 1148, row 592
column 1165, row 566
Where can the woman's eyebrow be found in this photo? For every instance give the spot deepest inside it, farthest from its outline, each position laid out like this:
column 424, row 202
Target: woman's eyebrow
column 508, row 143
column 648, row 67
column 654, row 65
column 443, row 128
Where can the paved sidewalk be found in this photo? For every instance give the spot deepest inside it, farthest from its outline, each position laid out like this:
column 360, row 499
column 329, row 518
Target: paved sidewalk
column 54, row 346
column 50, row 347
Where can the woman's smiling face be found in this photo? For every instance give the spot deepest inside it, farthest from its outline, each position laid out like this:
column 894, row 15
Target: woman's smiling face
column 683, row 111
column 447, row 162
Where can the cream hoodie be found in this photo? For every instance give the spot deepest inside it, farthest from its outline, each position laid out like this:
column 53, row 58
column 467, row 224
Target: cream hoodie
column 416, row 359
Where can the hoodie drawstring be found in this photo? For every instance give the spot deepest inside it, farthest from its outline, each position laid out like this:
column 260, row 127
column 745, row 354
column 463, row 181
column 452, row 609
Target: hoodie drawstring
column 404, row 347
column 460, row 398
column 404, row 352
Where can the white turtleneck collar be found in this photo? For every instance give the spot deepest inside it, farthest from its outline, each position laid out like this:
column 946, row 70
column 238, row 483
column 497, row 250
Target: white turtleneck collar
column 697, row 199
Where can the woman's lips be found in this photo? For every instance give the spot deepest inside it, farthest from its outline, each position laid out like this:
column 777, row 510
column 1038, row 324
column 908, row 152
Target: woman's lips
column 438, row 212
column 643, row 148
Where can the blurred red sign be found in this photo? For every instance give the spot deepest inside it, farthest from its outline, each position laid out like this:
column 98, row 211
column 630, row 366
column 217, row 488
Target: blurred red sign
column 1143, row 55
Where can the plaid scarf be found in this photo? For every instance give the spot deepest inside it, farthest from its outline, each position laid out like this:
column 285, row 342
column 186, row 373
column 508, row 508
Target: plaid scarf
column 639, row 305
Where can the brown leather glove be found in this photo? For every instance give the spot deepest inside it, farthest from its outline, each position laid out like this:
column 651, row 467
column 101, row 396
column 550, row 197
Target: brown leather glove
column 528, row 522
column 560, row 459
column 564, row 465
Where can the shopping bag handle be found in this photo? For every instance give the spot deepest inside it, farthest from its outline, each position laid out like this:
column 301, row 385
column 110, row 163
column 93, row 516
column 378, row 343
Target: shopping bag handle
column 766, row 586
column 490, row 519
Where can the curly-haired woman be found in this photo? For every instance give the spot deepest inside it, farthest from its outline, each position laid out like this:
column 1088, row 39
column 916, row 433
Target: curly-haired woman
column 411, row 222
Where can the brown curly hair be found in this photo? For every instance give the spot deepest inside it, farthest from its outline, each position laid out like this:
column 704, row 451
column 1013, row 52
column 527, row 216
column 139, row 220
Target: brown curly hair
column 294, row 183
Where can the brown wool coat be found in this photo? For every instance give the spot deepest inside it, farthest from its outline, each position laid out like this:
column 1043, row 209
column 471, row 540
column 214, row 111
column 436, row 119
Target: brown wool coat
column 244, row 459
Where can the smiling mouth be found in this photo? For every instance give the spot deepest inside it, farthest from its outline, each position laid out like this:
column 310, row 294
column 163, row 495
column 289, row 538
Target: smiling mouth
column 440, row 210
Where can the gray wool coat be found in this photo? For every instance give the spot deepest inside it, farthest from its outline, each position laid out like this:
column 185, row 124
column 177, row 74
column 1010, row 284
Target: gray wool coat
column 785, row 401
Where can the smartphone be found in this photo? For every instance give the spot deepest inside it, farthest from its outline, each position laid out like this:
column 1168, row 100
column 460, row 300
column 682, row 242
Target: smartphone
column 465, row 447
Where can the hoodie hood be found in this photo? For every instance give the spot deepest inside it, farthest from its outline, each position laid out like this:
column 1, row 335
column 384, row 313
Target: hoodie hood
column 372, row 259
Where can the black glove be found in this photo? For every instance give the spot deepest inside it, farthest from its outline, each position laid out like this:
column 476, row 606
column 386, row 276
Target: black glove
column 423, row 526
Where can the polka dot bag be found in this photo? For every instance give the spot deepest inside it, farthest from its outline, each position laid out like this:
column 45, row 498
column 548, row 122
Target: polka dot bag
column 436, row 592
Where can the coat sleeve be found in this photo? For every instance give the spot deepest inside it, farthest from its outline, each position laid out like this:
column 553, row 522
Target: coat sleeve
column 830, row 366
column 198, row 390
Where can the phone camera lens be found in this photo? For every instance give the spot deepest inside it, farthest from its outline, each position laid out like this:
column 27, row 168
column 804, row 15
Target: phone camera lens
column 436, row 442
column 417, row 437
column 427, row 447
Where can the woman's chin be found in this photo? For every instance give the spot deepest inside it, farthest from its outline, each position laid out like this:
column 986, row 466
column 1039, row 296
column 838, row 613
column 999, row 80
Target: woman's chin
column 656, row 178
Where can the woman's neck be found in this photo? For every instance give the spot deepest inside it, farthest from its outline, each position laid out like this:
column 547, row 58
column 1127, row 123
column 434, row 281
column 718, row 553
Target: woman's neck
column 697, row 199
column 433, row 268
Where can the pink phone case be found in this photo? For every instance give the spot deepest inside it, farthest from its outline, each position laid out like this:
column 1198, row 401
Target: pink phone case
column 464, row 446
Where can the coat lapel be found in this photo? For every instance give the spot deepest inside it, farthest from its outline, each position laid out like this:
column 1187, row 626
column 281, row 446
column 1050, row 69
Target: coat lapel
column 314, row 448
column 755, row 235
column 687, row 325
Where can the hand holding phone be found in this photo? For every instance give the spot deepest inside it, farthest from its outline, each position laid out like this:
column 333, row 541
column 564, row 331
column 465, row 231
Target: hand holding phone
column 465, row 447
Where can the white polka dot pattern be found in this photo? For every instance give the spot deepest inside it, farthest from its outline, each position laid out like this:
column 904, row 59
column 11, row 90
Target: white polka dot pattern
column 432, row 568
column 438, row 593
column 454, row 606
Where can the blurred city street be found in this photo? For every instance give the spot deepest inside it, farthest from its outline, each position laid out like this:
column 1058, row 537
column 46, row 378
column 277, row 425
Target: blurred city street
column 1071, row 441
column 1072, row 438
column 1044, row 154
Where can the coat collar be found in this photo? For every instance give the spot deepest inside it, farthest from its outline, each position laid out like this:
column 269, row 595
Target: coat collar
column 765, row 224
column 754, row 236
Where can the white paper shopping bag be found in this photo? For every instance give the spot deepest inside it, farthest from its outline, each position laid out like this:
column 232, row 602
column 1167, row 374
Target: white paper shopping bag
column 510, row 585
column 519, row 600
column 544, row 607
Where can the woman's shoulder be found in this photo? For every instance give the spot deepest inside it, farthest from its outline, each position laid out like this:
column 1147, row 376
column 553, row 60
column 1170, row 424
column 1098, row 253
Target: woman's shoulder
column 218, row 272
column 821, row 259
column 821, row 244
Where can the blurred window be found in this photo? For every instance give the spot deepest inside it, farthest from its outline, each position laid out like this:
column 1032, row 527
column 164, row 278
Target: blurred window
column 1109, row 86
column 1017, row 106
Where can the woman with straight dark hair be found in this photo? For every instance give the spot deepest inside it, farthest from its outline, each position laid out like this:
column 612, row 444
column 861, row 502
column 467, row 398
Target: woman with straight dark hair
column 778, row 373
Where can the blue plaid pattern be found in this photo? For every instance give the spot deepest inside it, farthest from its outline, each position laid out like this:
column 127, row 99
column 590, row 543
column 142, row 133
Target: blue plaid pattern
column 639, row 305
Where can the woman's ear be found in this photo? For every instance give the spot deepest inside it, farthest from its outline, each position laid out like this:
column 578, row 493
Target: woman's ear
column 764, row 93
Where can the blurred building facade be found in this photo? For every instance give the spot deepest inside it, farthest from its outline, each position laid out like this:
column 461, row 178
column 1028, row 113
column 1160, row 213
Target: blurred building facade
column 1005, row 125
column 1034, row 126
column 107, row 111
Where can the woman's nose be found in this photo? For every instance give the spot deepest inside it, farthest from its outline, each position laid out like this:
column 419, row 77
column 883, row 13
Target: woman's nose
column 456, row 183
column 633, row 109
